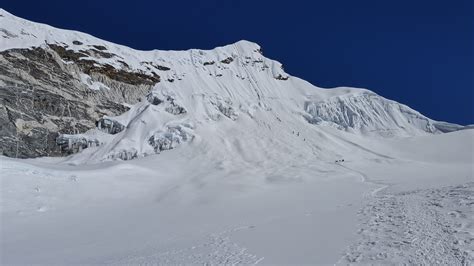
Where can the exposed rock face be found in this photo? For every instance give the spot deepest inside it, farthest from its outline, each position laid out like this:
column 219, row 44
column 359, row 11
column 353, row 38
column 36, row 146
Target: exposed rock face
column 228, row 60
column 281, row 77
column 109, row 126
column 50, row 90
column 171, row 104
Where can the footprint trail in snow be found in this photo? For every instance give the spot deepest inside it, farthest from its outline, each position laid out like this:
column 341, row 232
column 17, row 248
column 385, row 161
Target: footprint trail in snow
column 420, row 227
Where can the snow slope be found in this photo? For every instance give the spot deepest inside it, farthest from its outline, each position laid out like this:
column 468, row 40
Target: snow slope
column 238, row 162
column 202, row 102
column 182, row 207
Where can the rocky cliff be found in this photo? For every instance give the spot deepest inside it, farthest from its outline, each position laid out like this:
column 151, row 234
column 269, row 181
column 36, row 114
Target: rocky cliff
column 49, row 88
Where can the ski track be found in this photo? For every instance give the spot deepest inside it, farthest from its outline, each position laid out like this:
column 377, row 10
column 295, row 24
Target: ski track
column 420, row 227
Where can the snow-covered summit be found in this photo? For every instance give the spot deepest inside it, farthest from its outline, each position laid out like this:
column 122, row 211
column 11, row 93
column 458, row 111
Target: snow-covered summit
column 22, row 33
column 18, row 33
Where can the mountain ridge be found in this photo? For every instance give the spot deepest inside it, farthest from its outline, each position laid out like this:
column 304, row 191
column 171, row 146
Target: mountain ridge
column 78, row 84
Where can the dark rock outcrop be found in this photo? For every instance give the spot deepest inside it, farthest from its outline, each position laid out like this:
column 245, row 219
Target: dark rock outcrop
column 228, row 60
column 281, row 77
column 43, row 95
column 109, row 126
column 171, row 106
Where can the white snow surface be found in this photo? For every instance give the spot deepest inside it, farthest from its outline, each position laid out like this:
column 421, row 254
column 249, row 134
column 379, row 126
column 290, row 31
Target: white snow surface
column 241, row 170
column 236, row 201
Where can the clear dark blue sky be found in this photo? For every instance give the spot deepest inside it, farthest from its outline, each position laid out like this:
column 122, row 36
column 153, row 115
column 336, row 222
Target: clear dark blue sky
column 420, row 53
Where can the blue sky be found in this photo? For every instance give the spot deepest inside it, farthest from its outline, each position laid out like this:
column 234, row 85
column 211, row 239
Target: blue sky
column 420, row 53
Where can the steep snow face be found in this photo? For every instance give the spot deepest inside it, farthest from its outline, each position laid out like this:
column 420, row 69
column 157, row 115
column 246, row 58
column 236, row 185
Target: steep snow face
column 369, row 113
column 206, row 94
column 197, row 111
